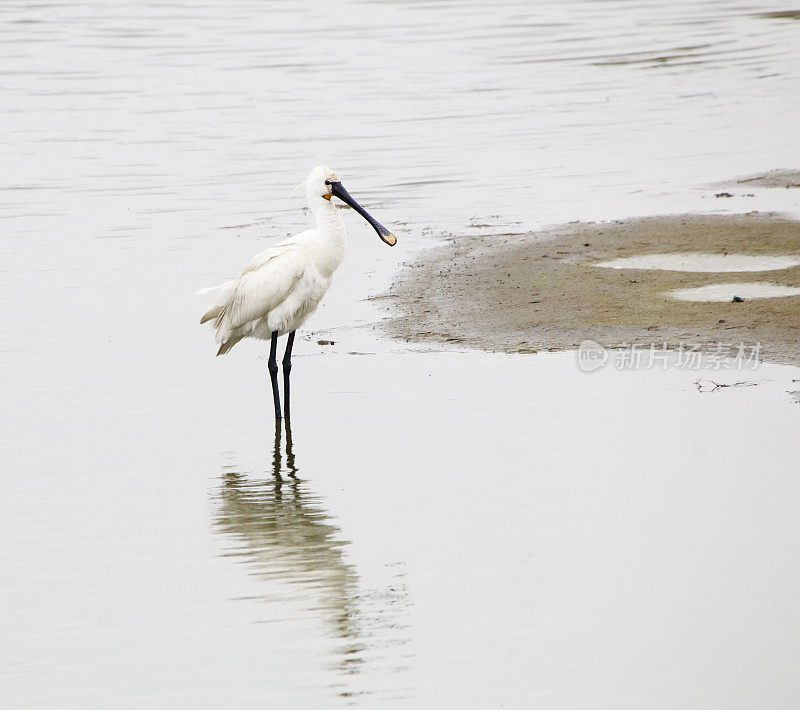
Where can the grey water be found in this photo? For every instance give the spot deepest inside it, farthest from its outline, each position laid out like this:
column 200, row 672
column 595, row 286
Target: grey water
column 443, row 528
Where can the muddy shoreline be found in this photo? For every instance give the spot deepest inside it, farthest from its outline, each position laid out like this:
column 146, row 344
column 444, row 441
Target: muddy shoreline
column 523, row 293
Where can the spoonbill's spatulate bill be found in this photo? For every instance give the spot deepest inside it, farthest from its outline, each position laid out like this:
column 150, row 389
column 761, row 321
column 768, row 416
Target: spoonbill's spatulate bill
column 283, row 285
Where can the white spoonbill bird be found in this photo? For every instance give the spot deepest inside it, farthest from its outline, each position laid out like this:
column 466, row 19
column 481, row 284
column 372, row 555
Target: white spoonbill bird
column 283, row 285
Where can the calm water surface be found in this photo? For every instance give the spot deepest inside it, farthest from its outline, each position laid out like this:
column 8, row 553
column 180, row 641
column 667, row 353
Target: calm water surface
column 430, row 534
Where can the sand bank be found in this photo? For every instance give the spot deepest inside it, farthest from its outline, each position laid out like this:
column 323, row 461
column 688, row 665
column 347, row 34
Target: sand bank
column 542, row 291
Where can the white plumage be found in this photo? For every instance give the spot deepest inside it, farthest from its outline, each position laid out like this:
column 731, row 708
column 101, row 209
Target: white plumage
column 283, row 285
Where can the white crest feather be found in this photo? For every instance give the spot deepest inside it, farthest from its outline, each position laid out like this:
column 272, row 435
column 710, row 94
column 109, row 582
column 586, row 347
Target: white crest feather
column 300, row 186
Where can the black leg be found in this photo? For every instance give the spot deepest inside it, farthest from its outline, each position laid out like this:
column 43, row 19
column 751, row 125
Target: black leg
column 273, row 374
column 287, row 368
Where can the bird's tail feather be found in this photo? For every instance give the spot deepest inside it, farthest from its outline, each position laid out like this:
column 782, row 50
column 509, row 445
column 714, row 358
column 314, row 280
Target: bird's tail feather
column 229, row 343
column 223, row 294
column 211, row 313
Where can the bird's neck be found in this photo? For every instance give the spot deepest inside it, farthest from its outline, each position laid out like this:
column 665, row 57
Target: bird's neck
column 329, row 220
column 331, row 231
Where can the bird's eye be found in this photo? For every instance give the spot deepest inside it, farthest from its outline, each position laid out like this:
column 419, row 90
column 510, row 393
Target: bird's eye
column 327, row 182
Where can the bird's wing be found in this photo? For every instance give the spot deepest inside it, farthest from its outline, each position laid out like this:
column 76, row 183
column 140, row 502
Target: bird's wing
column 275, row 250
column 266, row 280
column 222, row 293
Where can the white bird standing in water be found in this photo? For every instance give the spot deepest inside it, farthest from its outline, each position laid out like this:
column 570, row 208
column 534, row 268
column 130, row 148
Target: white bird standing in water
column 283, row 285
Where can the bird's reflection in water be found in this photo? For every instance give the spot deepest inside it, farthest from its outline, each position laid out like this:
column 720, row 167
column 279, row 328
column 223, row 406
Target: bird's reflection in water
column 283, row 532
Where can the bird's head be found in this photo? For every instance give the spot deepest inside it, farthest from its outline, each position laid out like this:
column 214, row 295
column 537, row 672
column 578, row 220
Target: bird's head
column 319, row 181
column 324, row 182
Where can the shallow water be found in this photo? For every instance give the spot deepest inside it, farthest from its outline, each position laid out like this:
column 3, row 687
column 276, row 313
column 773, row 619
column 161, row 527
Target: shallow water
column 470, row 526
column 706, row 263
column 725, row 292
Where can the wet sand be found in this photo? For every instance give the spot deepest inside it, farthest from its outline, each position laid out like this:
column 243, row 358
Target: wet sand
column 542, row 291
column 772, row 178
